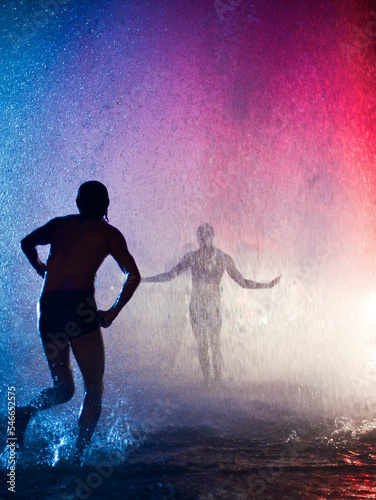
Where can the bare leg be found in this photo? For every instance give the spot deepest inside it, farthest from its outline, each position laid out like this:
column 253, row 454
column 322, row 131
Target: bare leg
column 203, row 350
column 89, row 353
column 61, row 392
column 216, row 351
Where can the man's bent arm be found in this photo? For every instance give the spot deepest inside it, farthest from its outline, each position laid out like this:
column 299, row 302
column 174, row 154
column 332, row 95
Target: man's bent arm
column 244, row 283
column 41, row 236
column 127, row 264
column 130, row 285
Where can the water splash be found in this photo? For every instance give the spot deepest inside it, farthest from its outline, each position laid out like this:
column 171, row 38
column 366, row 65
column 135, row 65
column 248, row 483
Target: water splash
column 258, row 119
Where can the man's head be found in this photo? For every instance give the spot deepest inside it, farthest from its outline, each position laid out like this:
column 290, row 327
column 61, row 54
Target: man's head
column 92, row 200
column 205, row 235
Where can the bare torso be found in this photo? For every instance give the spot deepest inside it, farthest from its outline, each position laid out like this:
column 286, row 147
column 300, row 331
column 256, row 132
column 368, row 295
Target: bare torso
column 78, row 248
column 207, row 266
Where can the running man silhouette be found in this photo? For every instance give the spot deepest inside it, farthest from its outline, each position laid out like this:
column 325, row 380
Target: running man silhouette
column 68, row 317
column 207, row 265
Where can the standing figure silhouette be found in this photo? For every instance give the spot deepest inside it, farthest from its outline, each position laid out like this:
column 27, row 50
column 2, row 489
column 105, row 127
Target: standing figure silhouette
column 68, row 316
column 207, row 265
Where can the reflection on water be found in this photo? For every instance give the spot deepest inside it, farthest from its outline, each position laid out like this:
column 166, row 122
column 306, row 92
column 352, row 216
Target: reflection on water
column 204, row 444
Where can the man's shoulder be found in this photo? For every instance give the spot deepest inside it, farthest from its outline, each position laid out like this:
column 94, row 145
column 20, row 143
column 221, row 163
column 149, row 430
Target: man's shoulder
column 57, row 222
column 223, row 256
column 112, row 230
column 74, row 222
column 218, row 252
column 189, row 256
column 63, row 218
column 113, row 235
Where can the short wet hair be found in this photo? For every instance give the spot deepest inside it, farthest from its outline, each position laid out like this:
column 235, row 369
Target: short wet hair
column 92, row 200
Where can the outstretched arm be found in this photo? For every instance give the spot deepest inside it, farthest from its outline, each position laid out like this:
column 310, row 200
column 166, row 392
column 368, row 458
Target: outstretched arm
column 119, row 251
column 41, row 236
column 175, row 271
column 238, row 278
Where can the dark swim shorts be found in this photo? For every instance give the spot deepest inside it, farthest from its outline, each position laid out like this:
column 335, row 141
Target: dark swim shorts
column 66, row 314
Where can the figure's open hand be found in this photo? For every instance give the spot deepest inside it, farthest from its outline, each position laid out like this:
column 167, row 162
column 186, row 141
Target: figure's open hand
column 275, row 281
column 105, row 318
